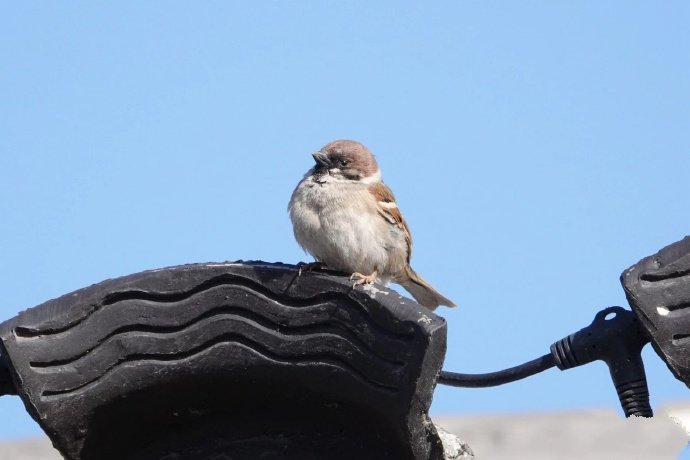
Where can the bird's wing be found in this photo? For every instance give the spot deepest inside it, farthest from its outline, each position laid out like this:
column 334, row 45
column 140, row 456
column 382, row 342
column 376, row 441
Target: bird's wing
column 388, row 209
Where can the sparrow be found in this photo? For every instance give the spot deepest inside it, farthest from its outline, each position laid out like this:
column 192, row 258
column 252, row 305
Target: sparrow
column 347, row 219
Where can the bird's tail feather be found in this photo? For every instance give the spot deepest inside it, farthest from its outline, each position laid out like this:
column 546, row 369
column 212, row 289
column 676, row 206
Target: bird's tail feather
column 423, row 292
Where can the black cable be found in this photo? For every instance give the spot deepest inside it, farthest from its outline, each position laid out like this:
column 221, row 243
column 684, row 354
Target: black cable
column 492, row 379
column 614, row 336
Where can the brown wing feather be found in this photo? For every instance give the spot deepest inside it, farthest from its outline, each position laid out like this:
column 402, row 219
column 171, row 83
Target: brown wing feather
column 388, row 209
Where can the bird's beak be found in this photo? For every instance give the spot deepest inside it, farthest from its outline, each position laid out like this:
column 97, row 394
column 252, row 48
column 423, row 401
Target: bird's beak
column 321, row 159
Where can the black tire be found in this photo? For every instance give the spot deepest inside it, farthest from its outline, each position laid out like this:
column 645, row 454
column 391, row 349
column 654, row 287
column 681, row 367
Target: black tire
column 229, row 361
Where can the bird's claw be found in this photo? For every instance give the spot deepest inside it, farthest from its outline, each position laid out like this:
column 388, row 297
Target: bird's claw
column 309, row 266
column 363, row 279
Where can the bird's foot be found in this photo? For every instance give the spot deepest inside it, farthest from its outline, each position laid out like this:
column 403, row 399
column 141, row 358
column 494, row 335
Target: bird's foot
column 304, row 266
column 363, row 279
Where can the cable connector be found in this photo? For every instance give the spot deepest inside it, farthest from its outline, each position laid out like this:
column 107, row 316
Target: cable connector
column 615, row 338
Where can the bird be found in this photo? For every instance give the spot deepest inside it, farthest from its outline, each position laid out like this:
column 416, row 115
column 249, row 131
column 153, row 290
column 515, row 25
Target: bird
column 344, row 215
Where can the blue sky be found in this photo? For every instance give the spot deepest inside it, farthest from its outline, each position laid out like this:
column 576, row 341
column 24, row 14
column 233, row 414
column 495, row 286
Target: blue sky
column 537, row 149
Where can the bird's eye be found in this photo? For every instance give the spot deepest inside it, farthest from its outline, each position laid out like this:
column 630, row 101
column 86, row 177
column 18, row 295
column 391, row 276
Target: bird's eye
column 344, row 163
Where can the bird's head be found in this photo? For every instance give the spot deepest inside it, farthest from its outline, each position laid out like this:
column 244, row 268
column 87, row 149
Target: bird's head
column 348, row 160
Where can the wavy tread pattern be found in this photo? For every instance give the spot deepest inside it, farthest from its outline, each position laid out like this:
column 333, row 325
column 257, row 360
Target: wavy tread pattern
column 249, row 326
column 147, row 327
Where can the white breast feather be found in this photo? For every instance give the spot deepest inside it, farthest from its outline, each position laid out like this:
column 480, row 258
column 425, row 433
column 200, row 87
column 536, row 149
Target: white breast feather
column 337, row 222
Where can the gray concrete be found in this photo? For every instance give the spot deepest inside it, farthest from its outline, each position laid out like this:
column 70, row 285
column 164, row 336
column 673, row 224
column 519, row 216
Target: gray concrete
column 454, row 448
column 590, row 435
column 28, row 449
